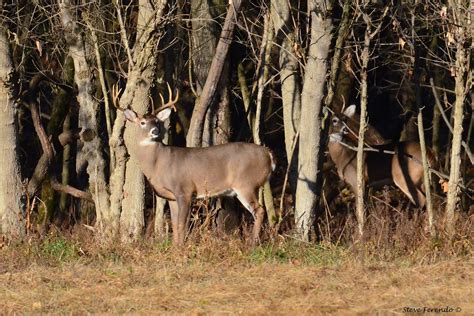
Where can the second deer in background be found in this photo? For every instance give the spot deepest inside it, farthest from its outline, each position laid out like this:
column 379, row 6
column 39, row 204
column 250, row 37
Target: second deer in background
column 403, row 168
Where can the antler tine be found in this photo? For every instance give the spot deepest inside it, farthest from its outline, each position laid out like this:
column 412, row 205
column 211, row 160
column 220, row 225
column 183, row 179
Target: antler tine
column 171, row 103
column 115, row 95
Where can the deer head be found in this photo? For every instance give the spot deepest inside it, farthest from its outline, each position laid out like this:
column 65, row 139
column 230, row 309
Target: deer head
column 150, row 126
column 345, row 128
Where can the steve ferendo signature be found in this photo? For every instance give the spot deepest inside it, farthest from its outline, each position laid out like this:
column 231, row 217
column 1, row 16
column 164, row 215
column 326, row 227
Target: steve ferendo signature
column 427, row 309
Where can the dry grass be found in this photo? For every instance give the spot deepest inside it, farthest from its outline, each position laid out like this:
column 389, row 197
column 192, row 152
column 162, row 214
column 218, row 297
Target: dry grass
column 396, row 265
column 61, row 275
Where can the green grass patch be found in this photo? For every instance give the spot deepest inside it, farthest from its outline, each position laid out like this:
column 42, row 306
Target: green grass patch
column 58, row 249
column 299, row 253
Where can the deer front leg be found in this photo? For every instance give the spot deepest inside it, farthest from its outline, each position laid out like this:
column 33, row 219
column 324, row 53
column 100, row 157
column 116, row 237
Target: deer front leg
column 174, row 210
column 183, row 202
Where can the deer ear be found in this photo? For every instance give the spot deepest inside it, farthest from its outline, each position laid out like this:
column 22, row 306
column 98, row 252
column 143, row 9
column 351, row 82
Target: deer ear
column 130, row 115
column 350, row 111
column 163, row 114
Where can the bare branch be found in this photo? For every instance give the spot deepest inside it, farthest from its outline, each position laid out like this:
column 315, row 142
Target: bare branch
column 446, row 120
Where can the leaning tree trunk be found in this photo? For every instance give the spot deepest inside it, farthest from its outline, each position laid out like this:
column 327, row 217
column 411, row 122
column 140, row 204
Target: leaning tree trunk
column 310, row 122
column 216, row 126
column 195, row 132
column 11, row 218
column 91, row 152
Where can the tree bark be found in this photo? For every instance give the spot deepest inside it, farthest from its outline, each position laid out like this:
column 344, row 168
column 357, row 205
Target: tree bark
column 310, row 122
column 368, row 36
column 204, row 40
column 11, row 217
column 91, row 152
column 267, row 42
column 290, row 83
column 426, row 173
column 336, row 60
column 136, row 95
column 360, row 207
column 459, row 77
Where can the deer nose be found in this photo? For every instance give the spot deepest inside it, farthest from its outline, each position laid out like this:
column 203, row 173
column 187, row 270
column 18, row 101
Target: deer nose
column 155, row 132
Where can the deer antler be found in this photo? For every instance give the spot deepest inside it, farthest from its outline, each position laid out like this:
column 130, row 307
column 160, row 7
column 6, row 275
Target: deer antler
column 171, row 102
column 115, row 97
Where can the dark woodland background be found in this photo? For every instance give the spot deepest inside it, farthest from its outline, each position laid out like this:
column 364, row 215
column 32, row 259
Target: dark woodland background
column 282, row 70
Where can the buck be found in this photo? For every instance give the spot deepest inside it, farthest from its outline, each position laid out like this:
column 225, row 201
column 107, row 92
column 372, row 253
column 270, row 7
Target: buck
column 403, row 168
column 180, row 174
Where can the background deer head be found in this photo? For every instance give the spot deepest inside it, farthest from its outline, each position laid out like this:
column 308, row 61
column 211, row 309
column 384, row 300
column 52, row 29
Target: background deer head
column 345, row 128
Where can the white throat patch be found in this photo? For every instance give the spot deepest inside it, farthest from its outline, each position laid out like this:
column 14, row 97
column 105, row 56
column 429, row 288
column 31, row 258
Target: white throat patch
column 147, row 142
column 335, row 137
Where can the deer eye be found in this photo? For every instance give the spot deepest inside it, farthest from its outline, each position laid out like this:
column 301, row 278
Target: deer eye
column 335, row 120
column 142, row 123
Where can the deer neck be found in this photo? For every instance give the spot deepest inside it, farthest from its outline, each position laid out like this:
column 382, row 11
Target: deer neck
column 341, row 156
column 149, row 154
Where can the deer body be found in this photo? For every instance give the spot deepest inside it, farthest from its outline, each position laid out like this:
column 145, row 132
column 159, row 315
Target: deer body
column 181, row 174
column 404, row 168
column 244, row 163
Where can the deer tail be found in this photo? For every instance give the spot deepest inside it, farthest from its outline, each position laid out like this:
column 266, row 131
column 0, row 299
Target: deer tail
column 272, row 159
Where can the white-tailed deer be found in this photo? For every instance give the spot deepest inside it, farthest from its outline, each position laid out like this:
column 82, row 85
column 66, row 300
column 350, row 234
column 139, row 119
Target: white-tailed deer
column 404, row 168
column 181, row 174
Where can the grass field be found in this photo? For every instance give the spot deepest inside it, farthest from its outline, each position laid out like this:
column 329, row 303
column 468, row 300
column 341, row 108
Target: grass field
column 58, row 275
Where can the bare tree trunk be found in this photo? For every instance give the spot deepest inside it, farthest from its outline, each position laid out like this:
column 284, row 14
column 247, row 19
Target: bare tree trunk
column 290, row 83
column 137, row 93
column 204, row 40
column 103, row 85
column 360, row 208
column 244, row 90
column 336, row 60
column 460, row 71
column 310, row 122
column 11, row 217
column 435, row 132
column 426, row 174
column 68, row 76
column 267, row 42
column 91, row 152
column 65, row 169
column 203, row 47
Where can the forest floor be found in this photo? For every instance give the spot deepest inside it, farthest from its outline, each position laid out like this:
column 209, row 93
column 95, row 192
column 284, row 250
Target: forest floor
column 60, row 276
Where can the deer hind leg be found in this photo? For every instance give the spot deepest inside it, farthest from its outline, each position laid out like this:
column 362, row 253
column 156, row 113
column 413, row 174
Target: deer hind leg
column 414, row 193
column 421, row 198
column 249, row 199
column 182, row 217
